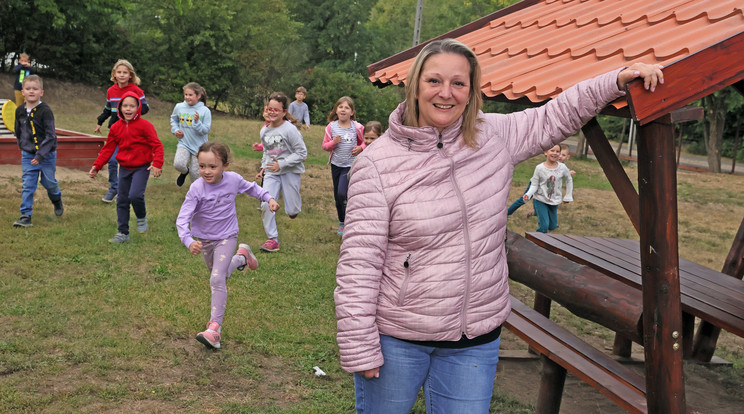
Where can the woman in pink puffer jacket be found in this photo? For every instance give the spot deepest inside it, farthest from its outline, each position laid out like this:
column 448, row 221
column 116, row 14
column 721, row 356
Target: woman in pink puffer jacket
column 422, row 280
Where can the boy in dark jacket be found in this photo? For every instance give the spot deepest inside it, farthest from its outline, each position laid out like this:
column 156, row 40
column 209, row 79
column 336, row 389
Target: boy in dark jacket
column 21, row 70
column 34, row 130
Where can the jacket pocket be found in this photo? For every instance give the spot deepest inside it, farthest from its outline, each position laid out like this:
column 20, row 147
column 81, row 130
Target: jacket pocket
column 406, row 278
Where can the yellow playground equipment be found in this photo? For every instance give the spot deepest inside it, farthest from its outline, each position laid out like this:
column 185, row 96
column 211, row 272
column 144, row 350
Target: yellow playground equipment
column 7, row 116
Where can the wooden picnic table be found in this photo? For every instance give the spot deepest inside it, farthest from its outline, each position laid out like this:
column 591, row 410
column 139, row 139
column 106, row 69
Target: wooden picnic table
column 712, row 296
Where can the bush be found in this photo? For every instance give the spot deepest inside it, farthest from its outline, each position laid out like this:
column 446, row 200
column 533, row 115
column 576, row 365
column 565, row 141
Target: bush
column 325, row 87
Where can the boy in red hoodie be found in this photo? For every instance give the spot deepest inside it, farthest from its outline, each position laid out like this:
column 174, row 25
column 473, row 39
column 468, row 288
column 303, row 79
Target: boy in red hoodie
column 140, row 151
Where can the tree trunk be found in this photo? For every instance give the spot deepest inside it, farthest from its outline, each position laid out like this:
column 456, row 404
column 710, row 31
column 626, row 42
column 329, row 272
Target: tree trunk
column 622, row 138
column 715, row 116
column 581, row 145
column 736, row 143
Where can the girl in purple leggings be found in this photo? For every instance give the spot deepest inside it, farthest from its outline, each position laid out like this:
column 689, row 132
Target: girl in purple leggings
column 208, row 224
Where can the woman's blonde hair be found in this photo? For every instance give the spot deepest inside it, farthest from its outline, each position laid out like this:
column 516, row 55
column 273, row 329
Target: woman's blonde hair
column 470, row 115
column 133, row 75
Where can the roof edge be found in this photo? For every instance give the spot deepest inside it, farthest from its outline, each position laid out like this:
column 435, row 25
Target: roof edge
column 413, row 51
column 712, row 66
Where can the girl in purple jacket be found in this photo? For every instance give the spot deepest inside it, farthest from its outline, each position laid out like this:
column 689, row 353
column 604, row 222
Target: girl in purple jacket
column 208, row 224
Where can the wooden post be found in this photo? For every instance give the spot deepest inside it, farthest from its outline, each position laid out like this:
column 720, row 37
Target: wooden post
column 707, row 335
column 662, row 310
column 551, row 387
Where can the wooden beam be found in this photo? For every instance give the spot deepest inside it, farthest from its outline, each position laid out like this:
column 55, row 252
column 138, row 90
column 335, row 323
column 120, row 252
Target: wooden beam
column 614, row 171
column 687, row 114
column 662, row 309
column 580, row 289
column 689, row 79
column 707, row 334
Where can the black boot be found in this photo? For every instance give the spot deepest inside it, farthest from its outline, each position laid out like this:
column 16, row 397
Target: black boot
column 58, row 207
column 182, row 178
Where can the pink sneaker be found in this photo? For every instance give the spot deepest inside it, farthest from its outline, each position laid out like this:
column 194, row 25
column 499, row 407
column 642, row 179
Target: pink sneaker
column 211, row 337
column 270, row 246
column 250, row 259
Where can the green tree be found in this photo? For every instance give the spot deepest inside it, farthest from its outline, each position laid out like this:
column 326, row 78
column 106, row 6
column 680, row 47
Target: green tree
column 229, row 50
column 334, row 35
column 68, row 38
column 392, row 23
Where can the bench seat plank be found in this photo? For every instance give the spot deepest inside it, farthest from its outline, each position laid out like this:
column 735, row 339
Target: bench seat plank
column 619, row 383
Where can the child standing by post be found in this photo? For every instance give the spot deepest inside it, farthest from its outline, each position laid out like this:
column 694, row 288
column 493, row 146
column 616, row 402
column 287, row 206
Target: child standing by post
column 344, row 139
column 21, row 70
column 298, row 108
column 190, row 123
column 125, row 80
column 545, row 185
column 34, row 130
column 139, row 152
column 281, row 165
column 208, row 214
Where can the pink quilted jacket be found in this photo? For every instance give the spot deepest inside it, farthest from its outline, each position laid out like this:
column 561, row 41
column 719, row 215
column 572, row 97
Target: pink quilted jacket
column 422, row 256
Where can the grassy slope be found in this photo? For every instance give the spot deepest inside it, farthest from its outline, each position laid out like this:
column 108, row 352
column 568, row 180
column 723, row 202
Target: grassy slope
column 91, row 327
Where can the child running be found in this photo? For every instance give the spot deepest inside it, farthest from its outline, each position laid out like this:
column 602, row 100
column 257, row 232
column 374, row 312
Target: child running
column 344, row 139
column 208, row 224
column 125, row 80
column 37, row 139
column 281, row 165
column 545, row 185
column 139, row 152
column 190, row 123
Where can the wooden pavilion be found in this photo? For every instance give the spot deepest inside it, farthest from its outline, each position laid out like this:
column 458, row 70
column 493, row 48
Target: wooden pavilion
column 533, row 50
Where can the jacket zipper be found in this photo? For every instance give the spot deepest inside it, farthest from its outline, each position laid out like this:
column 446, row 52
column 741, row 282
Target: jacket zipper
column 466, row 237
column 404, row 286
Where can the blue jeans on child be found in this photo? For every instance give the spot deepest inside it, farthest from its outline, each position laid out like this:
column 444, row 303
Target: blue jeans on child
column 340, row 176
column 132, row 185
column 454, row 380
column 517, row 203
column 547, row 216
column 113, row 169
column 31, row 178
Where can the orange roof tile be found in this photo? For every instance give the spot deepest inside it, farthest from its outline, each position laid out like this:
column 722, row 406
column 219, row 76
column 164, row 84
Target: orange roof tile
column 535, row 49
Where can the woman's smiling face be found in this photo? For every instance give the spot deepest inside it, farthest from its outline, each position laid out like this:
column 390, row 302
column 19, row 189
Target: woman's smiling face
column 443, row 90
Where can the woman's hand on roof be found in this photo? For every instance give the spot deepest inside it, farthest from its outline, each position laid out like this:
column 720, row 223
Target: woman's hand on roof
column 650, row 73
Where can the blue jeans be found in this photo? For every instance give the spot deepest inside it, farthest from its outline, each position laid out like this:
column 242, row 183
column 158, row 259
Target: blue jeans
column 113, row 168
column 517, row 203
column 31, row 174
column 454, row 380
column 132, row 186
column 547, row 216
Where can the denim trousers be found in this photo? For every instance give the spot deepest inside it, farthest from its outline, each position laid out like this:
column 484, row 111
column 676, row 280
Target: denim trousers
column 517, row 203
column 547, row 216
column 113, row 169
column 454, row 380
column 33, row 174
column 340, row 176
column 132, row 186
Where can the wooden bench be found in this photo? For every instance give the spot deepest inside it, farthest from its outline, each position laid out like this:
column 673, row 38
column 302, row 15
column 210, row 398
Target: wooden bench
column 561, row 351
column 705, row 293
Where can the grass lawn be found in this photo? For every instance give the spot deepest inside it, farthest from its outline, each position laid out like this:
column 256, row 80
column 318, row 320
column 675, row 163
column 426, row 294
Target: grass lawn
column 86, row 326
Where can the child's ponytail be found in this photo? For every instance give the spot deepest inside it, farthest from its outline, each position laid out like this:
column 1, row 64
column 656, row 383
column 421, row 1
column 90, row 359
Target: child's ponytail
column 198, row 90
